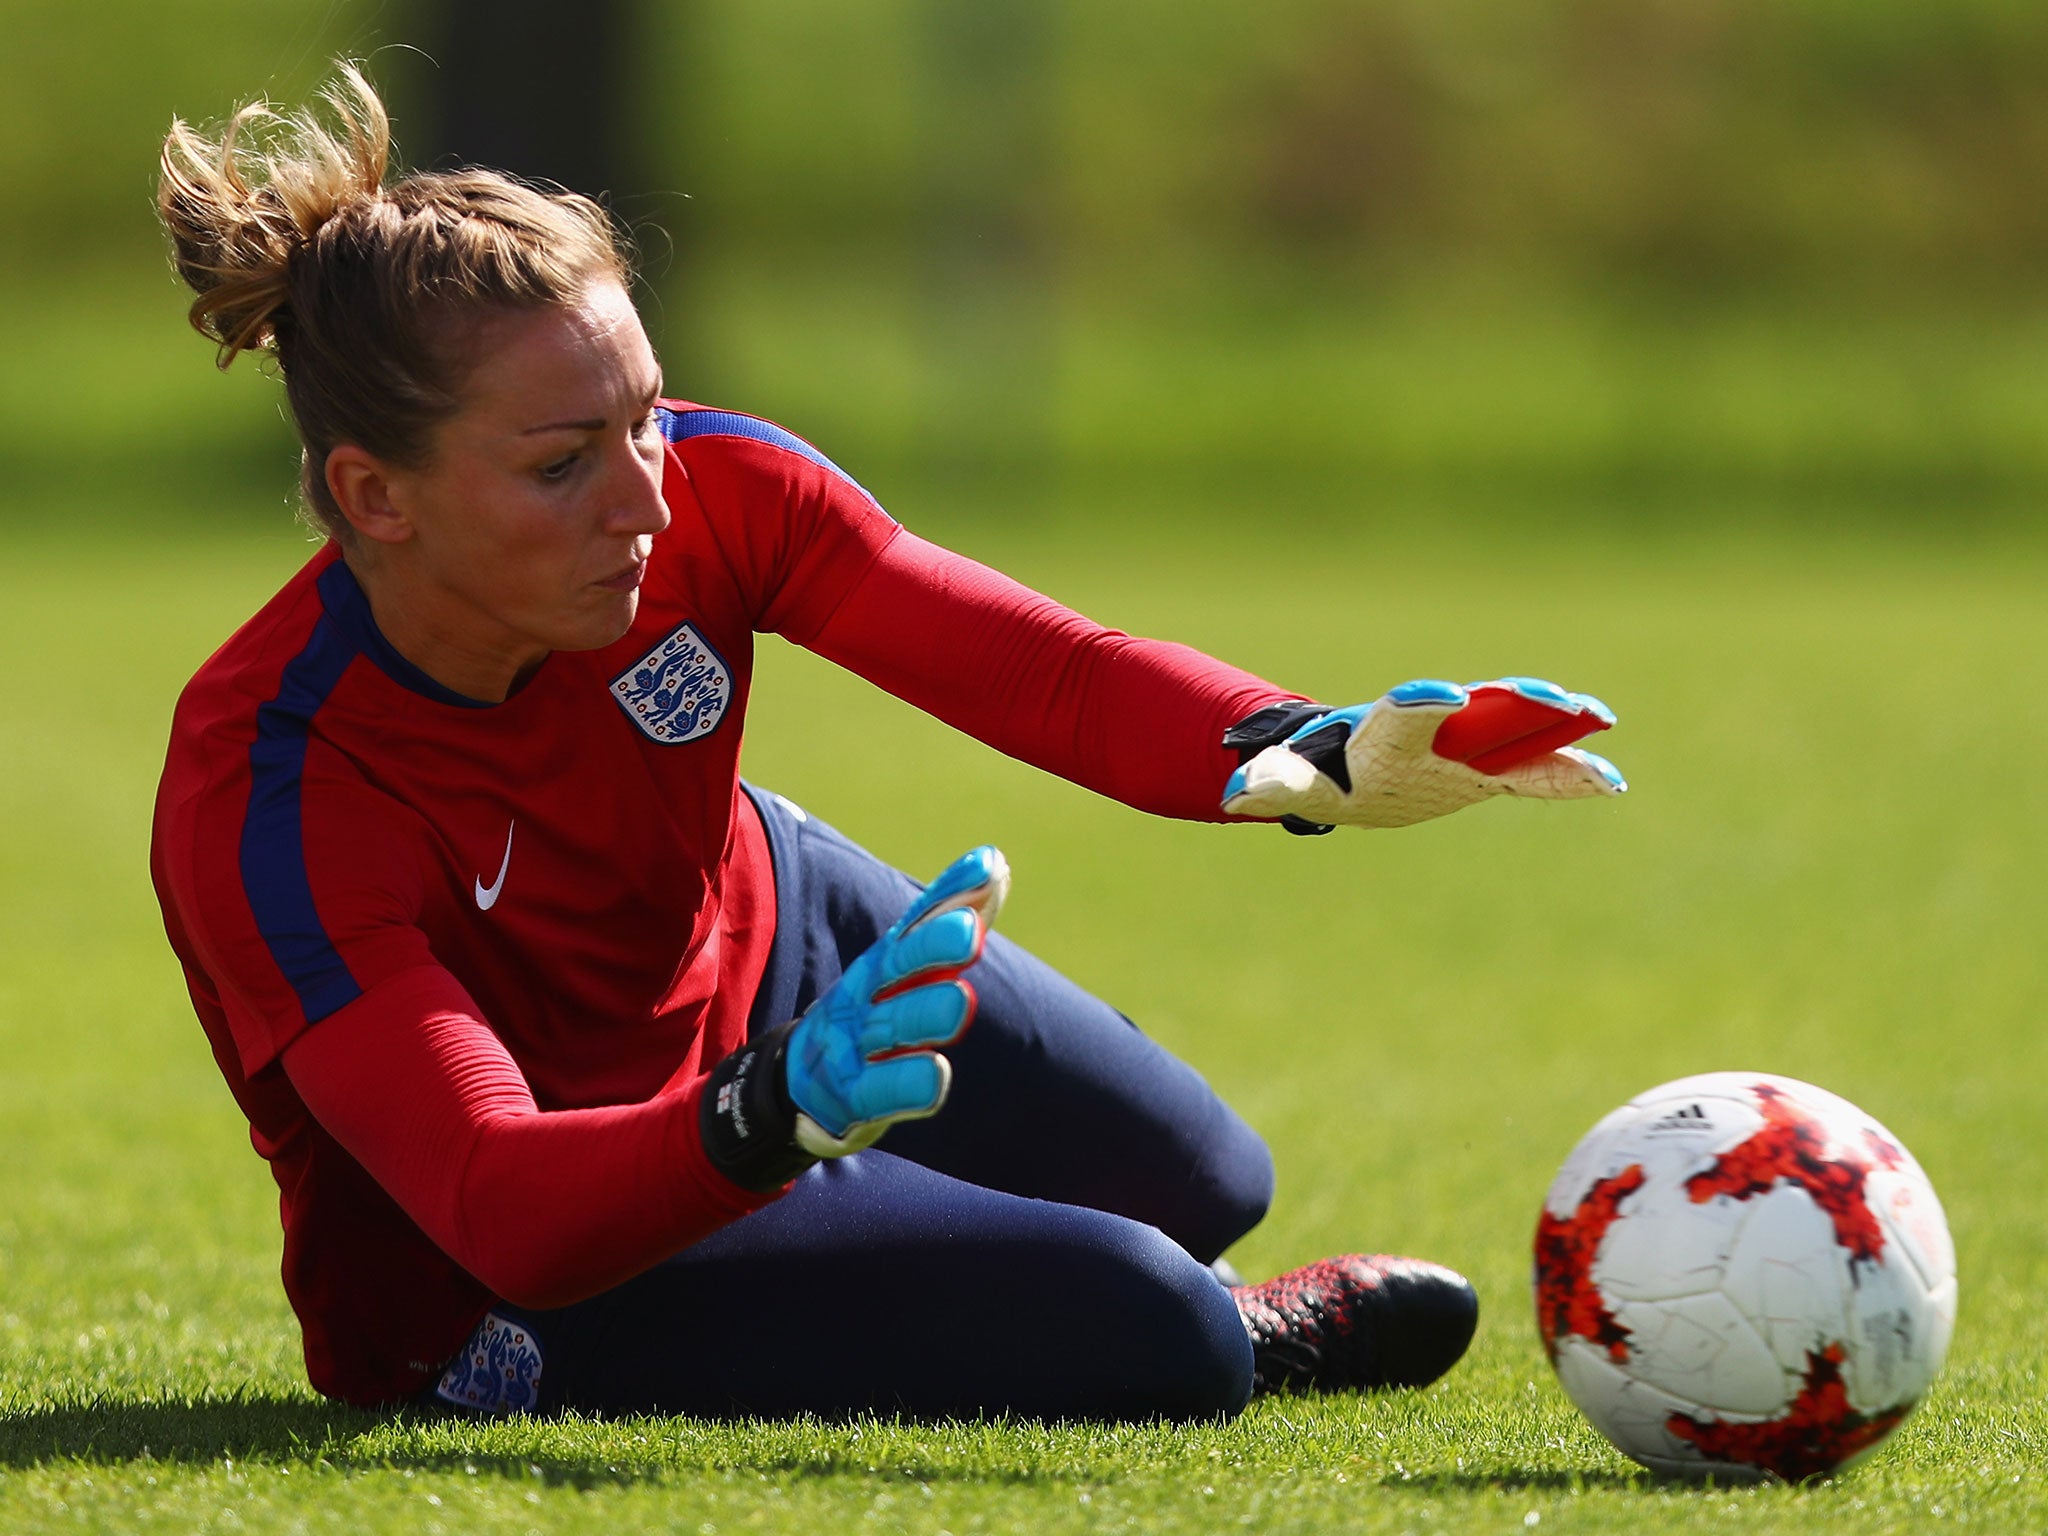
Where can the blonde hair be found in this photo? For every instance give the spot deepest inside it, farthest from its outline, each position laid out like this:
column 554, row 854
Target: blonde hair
column 364, row 291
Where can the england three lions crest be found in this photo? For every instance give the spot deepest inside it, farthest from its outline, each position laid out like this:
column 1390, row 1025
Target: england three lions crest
column 678, row 691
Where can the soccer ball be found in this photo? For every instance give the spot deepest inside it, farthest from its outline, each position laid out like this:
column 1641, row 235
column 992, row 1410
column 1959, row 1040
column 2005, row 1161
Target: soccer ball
column 1740, row 1275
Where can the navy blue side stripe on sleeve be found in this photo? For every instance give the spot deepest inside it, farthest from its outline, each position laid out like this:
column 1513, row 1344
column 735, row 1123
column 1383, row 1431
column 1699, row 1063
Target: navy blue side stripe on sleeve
column 678, row 426
column 273, row 846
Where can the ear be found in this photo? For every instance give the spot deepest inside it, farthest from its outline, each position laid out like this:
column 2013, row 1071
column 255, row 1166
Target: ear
column 361, row 485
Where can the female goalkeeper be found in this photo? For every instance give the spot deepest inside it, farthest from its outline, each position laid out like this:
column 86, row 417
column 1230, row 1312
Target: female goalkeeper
column 569, row 1051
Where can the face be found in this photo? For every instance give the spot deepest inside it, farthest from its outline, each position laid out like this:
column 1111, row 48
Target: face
column 529, row 528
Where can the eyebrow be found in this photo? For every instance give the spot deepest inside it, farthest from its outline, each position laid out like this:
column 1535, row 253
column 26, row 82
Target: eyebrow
column 595, row 424
column 592, row 424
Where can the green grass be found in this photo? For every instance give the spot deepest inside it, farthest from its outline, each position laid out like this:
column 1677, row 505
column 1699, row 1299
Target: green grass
column 1829, row 867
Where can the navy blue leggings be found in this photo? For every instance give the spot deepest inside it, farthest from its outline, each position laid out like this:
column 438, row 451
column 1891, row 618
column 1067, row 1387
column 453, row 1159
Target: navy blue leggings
column 1039, row 1248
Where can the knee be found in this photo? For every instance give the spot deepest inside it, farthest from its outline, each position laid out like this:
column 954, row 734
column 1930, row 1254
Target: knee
column 1175, row 1346
column 1205, row 1353
column 1251, row 1187
column 1237, row 1189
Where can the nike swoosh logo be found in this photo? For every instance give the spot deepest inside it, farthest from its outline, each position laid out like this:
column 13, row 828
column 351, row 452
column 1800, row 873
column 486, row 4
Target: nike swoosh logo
column 487, row 895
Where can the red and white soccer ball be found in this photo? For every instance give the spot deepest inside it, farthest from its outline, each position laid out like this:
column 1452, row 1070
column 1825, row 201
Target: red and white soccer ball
column 1740, row 1275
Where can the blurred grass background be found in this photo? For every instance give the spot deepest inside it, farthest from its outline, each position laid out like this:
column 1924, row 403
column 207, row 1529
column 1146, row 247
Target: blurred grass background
column 1629, row 260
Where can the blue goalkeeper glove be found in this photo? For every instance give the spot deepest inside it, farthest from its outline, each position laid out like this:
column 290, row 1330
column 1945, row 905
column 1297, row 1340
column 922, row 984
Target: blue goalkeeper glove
column 1425, row 749
column 865, row 1054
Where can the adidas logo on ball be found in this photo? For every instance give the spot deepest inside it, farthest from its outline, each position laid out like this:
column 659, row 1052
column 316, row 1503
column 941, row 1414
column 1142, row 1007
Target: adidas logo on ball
column 1688, row 1117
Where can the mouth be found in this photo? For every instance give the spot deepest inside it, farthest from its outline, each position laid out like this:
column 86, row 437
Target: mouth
column 627, row 580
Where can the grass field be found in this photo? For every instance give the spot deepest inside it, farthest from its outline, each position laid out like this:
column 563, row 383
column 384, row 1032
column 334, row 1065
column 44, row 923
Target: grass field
column 1830, row 867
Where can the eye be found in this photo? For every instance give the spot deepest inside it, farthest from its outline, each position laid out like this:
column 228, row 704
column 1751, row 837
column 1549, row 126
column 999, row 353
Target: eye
column 647, row 435
column 561, row 469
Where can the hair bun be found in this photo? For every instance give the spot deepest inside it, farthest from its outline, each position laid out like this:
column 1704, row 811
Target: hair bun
column 239, row 207
column 366, row 294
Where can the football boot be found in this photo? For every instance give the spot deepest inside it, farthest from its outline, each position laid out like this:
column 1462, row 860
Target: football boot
column 1358, row 1322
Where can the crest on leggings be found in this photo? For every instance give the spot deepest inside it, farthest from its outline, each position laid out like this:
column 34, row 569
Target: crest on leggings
column 678, row 691
column 498, row 1370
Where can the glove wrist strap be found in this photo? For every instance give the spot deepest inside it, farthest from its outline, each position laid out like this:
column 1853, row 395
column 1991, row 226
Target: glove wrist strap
column 748, row 1120
column 1268, row 727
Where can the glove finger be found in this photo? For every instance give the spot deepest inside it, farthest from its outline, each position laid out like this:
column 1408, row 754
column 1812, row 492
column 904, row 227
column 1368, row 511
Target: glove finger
column 979, row 878
column 1515, row 720
column 902, row 1088
column 1405, row 719
column 936, row 1013
column 1570, row 773
column 943, row 945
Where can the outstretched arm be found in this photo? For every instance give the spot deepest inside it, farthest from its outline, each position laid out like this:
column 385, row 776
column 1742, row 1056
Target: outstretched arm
column 1167, row 729
column 1159, row 726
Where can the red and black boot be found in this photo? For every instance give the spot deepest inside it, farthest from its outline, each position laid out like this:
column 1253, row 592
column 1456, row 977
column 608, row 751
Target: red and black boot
column 1356, row 1323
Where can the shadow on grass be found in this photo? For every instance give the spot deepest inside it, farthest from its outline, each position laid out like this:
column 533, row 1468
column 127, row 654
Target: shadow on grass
column 1527, row 1480
column 282, row 1431
column 239, row 1428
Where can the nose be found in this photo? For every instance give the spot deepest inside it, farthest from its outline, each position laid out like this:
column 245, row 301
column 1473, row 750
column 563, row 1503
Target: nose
column 636, row 503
